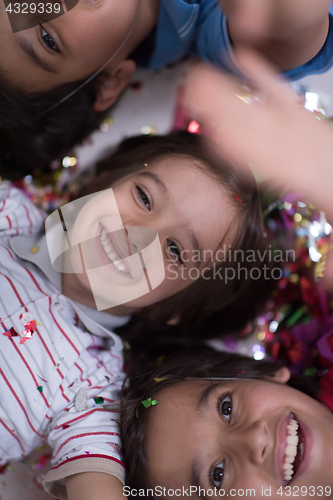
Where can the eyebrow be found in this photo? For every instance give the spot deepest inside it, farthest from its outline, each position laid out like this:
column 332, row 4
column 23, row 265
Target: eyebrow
column 194, row 241
column 158, row 181
column 204, row 397
column 197, row 463
column 28, row 49
column 196, row 473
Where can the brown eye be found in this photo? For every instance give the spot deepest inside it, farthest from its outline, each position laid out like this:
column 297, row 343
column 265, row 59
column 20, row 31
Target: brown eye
column 143, row 197
column 225, row 407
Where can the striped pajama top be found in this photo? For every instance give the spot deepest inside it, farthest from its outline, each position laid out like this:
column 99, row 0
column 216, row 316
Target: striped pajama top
column 68, row 353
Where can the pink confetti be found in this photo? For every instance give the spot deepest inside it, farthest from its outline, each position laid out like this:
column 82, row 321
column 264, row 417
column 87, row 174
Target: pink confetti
column 193, row 127
column 10, row 333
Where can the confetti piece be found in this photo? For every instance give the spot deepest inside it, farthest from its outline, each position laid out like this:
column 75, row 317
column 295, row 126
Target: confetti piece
column 239, row 373
column 43, row 379
column 238, row 198
column 11, row 333
column 87, row 452
column 116, row 447
column 99, row 400
column 34, row 250
column 37, row 483
column 71, row 385
column 31, row 326
column 80, row 400
column 107, row 378
column 193, row 127
column 160, row 379
column 40, row 388
column 148, row 402
column 65, row 426
column 136, row 86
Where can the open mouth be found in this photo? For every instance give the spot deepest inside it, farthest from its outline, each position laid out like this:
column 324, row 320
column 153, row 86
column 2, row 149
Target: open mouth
column 294, row 451
column 111, row 252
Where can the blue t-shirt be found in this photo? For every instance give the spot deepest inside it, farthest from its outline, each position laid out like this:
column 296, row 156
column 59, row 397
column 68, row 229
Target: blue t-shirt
column 199, row 27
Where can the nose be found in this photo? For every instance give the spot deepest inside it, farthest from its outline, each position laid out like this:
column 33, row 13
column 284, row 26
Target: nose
column 252, row 441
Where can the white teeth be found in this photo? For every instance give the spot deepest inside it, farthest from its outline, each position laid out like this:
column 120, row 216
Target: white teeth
column 292, row 440
column 110, row 252
column 301, row 449
column 291, row 450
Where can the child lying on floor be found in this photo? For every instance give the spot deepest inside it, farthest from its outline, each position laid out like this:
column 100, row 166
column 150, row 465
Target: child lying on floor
column 52, row 89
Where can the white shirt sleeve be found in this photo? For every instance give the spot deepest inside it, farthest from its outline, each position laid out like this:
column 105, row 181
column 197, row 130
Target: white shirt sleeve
column 18, row 215
column 84, row 434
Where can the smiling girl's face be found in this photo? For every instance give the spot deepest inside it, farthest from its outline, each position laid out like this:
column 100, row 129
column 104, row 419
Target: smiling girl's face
column 235, row 435
column 181, row 202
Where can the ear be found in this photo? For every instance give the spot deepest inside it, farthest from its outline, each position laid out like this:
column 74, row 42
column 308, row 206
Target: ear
column 111, row 85
column 281, row 376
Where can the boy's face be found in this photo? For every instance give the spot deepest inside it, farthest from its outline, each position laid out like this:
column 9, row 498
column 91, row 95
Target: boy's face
column 234, row 437
column 254, row 21
column 68, row 48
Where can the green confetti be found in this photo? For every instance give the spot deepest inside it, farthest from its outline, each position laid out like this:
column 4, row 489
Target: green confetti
column 40, row 388
column 148, row 402
column 98, row 401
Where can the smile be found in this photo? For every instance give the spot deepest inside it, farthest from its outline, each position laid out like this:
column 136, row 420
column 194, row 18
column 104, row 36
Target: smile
column 294, row 451
column 112, row 254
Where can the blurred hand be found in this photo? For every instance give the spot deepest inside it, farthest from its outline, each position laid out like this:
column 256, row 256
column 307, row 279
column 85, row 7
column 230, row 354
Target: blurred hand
column 275, row 136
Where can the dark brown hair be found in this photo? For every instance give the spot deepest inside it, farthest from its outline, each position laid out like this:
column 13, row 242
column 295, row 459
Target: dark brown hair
column 32, row 137
column 208, row 307
column 134, row 416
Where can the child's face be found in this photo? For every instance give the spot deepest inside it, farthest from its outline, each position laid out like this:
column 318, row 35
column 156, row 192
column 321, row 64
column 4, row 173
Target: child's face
column 254, row 21
column 71, row 47
column 184, row 205
column 232, row 435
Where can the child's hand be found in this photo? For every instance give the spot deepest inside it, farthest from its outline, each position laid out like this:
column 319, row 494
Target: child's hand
column 93, row 486
column 275, row 136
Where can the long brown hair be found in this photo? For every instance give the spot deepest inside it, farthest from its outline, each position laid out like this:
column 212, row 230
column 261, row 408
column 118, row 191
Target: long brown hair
column 207, row 307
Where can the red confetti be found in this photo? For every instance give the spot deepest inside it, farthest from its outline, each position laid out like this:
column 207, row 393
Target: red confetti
column 239, row 373
column 31, row 326
column 136, row 86
column 37, row 483
column 65, row 426
column 238, row 198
